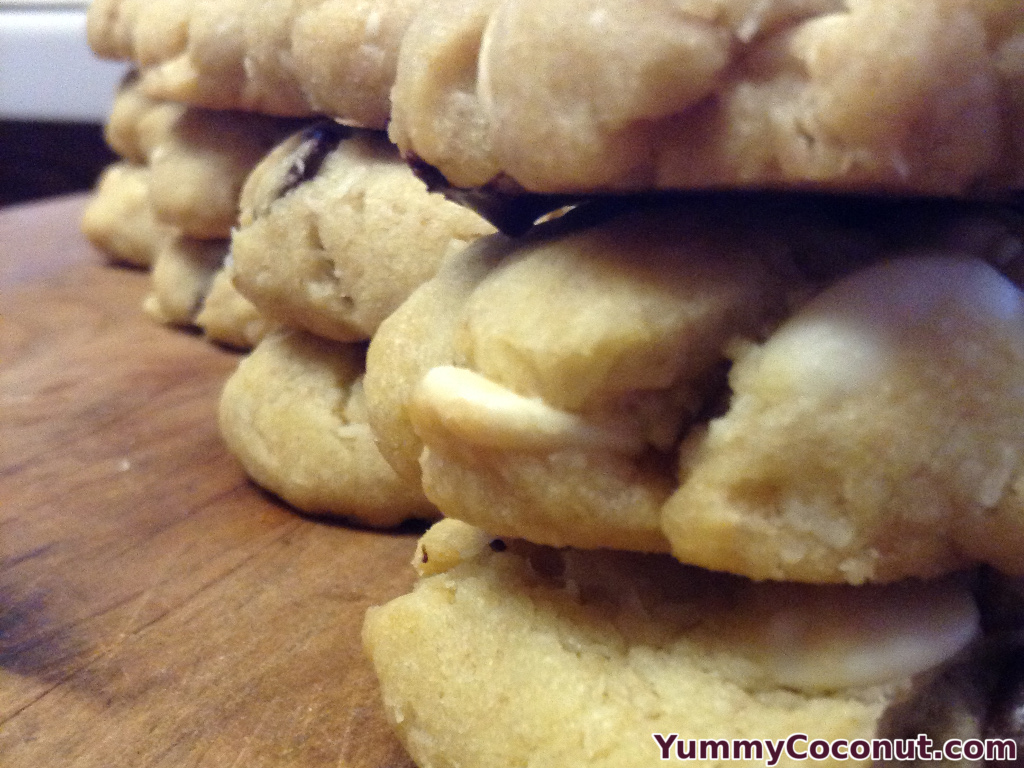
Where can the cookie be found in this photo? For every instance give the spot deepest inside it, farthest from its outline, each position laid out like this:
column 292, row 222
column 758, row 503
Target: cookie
column 563, row 368
column 229, row 57
column 199, row 158
column 364, row 40
column 915, row 96
column 223, row 55
column 200, row 164
column 228, row 318
column 137, row 123
column 293, row 414
column 118, row 218
column 570, row 387
column 335, row 232
column 507, row 654
column 182, row 275
column 138, row 30
column 876, row 434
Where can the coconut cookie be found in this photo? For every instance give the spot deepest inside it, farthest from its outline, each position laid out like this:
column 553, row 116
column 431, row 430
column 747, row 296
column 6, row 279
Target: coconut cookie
column 878, row 433
column 182, row 275
column 266, row 57
column 199, row 159
column 293, row 413
column 233, row 55
column 905, row 96
column 354, row 82
column 199, row 166
column 556, row 387
column 228, row 318
column 138, row 30
column 508, row 654
column 335, row 232
column 137, row 123
column 119, row 220
column 543, row 384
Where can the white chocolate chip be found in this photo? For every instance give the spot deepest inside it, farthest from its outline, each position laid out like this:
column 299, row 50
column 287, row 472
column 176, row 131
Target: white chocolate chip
column 476, row 410
column 820, row 638
column 849, row 335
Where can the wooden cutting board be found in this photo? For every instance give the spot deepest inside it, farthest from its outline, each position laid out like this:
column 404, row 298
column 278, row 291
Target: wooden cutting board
column 156, row 609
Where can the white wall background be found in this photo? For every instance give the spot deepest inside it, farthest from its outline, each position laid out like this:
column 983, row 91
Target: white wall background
column 47, row 71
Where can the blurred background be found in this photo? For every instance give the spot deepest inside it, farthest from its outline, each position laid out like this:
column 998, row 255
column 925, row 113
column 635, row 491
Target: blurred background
column 54, row 97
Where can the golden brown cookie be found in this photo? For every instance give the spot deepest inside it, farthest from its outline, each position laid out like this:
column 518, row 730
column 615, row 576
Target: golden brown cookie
column 335, row 232
column 906, row 96
column 507, row 654
column 562, row 387
column 181, row 278
column 119, row 219
column 294, row 416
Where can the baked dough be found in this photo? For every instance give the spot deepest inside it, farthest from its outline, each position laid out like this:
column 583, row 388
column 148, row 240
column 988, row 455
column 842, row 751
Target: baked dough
column 143, row 30
column 198, row 167
column 268, row 58
column 906, row 96
column 198, row 158
column 293, row 414
column 878, row 433
column 335, row 232
column 559, row 388
column 228, row 318
column 137, row 123
column 549, row 379
column 118, row 218
column 181, row 278
column 507, row 655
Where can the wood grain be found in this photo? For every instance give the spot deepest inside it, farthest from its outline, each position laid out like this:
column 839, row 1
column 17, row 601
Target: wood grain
column 155, row 608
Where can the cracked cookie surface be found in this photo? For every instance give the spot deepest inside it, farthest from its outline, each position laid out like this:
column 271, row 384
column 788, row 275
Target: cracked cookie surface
column 905, row 96
column 293, row 413
column 573, row 387
column 335, row 232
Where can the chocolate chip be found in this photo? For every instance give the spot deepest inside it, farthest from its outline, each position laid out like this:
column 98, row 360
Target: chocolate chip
column 502, row 202
column 315, row 143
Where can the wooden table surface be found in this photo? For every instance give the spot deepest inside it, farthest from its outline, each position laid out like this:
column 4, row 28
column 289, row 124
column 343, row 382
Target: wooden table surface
column 156, row 609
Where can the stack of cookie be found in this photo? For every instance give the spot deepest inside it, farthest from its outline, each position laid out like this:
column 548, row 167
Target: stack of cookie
column 729, row 442
column 171, row 202
column 335, row 233
column 329, row 234
column 731, row 452
column 119, row 219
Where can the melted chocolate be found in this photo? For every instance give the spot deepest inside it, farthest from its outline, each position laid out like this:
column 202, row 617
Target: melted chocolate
column 906, row 222
column 502, row 202
column 315, row 144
